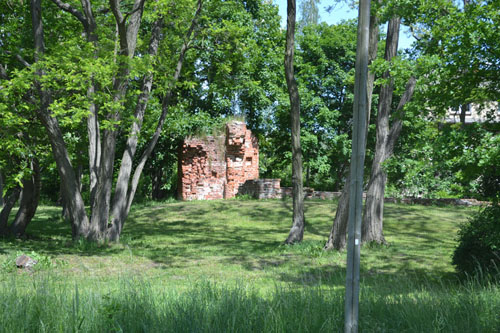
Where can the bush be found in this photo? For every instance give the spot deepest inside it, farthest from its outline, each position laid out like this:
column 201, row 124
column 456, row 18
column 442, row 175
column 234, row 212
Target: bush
column 479, row 242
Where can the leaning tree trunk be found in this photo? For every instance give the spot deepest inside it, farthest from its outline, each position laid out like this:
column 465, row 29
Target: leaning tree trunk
column 94, row 148
column 386, row 139
column 124, row 193
column 1, row 189
column 10, row 201
column 373, row 213
column 79, row 219
column 127, row 34
column 337, row 239
column 298, row 222
column 29, row 201
column 374, row 208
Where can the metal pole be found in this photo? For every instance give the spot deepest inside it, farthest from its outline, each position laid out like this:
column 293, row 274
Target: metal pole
column 357, row 165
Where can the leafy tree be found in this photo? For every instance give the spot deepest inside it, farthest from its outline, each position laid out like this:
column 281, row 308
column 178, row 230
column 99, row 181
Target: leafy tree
column 95, row 77
column 444, row 159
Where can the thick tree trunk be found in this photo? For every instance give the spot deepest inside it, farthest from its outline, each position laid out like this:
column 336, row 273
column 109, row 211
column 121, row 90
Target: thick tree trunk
column 337, row 239
column 386, row 140
column 373, row 213
column 127, row 33
column 298, row 222
column 29, row 201
column 94, row 149
column 10, row 201
column 374, row 208
column 123, row 198
column 338, row 234
column 79, row 219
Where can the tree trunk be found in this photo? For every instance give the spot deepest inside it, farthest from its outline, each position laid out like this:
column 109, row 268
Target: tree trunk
column 122, row 184
column 29, row 201
column 374, row 208
column 79, row 219
column 298, row 222
column 386, row 140
column 122, row 200
column 10, row 201
column 1, row 190
column 337, row 239
column 94, row 149
column 372, row 219
column 94, row 144
column 464, row 108
column 338, row 234
column 127, row 33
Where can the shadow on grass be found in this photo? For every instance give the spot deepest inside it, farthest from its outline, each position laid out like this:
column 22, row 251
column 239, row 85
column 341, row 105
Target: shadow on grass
column 247, row 234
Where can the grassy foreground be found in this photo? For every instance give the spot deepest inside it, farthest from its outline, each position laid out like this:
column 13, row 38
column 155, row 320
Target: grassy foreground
column 220, row 266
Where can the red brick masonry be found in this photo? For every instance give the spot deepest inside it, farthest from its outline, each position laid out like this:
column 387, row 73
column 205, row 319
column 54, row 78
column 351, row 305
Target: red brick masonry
column 215, row 167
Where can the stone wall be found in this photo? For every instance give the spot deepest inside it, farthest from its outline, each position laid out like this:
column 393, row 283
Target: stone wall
column 215, row 167
column 261, row 188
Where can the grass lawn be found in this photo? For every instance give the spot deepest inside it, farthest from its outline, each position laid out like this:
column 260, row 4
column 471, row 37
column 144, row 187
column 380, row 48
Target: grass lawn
column 222, row 266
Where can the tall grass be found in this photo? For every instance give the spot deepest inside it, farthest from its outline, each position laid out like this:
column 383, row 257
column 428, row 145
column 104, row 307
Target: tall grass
column 49, row 304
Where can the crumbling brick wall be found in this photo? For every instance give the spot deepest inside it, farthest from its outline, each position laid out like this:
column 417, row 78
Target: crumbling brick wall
column 215, row 167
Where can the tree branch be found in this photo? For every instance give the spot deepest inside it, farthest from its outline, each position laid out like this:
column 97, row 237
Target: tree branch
column 115, row 8
column 22, row 61
column 165, row 106
column 398, row 123
column 3, row 73
column 138, row 5
column 67, row 8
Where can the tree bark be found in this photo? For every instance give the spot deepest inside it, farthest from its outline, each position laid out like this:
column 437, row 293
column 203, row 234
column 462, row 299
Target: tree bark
column 374, row 208
column 386, row 139
column 94, row 148
column 10, row 201
column 337, row 239
column 372, row 217
column 122, row 184
column 298, row 221
column 124, row 195
column 1, row 189
column 79, row 219
column 29, row 200
column 127, row 33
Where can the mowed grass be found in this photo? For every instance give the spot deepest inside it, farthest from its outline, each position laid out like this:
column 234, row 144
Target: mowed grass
column 222, row 266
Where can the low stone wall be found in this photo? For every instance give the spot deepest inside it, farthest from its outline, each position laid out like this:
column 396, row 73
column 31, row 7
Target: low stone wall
column 270, row 189
column 261, row 188
column 442, row 201
column 310, row 193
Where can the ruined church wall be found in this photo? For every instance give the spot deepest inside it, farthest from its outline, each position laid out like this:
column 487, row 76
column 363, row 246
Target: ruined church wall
column 202, row 169
column 215, row 167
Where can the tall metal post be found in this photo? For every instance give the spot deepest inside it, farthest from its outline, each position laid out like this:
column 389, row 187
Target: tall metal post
column 357, row 164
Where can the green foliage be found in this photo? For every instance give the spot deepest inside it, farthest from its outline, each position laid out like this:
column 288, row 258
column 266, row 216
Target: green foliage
column 324, row 65
column 479, row 243
column 442, row 160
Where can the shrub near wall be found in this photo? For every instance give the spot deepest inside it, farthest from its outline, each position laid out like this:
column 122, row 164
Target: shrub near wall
column 479, row 242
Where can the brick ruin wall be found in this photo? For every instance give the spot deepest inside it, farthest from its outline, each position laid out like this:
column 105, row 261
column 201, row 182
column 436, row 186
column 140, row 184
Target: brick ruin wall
column 215, row 167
